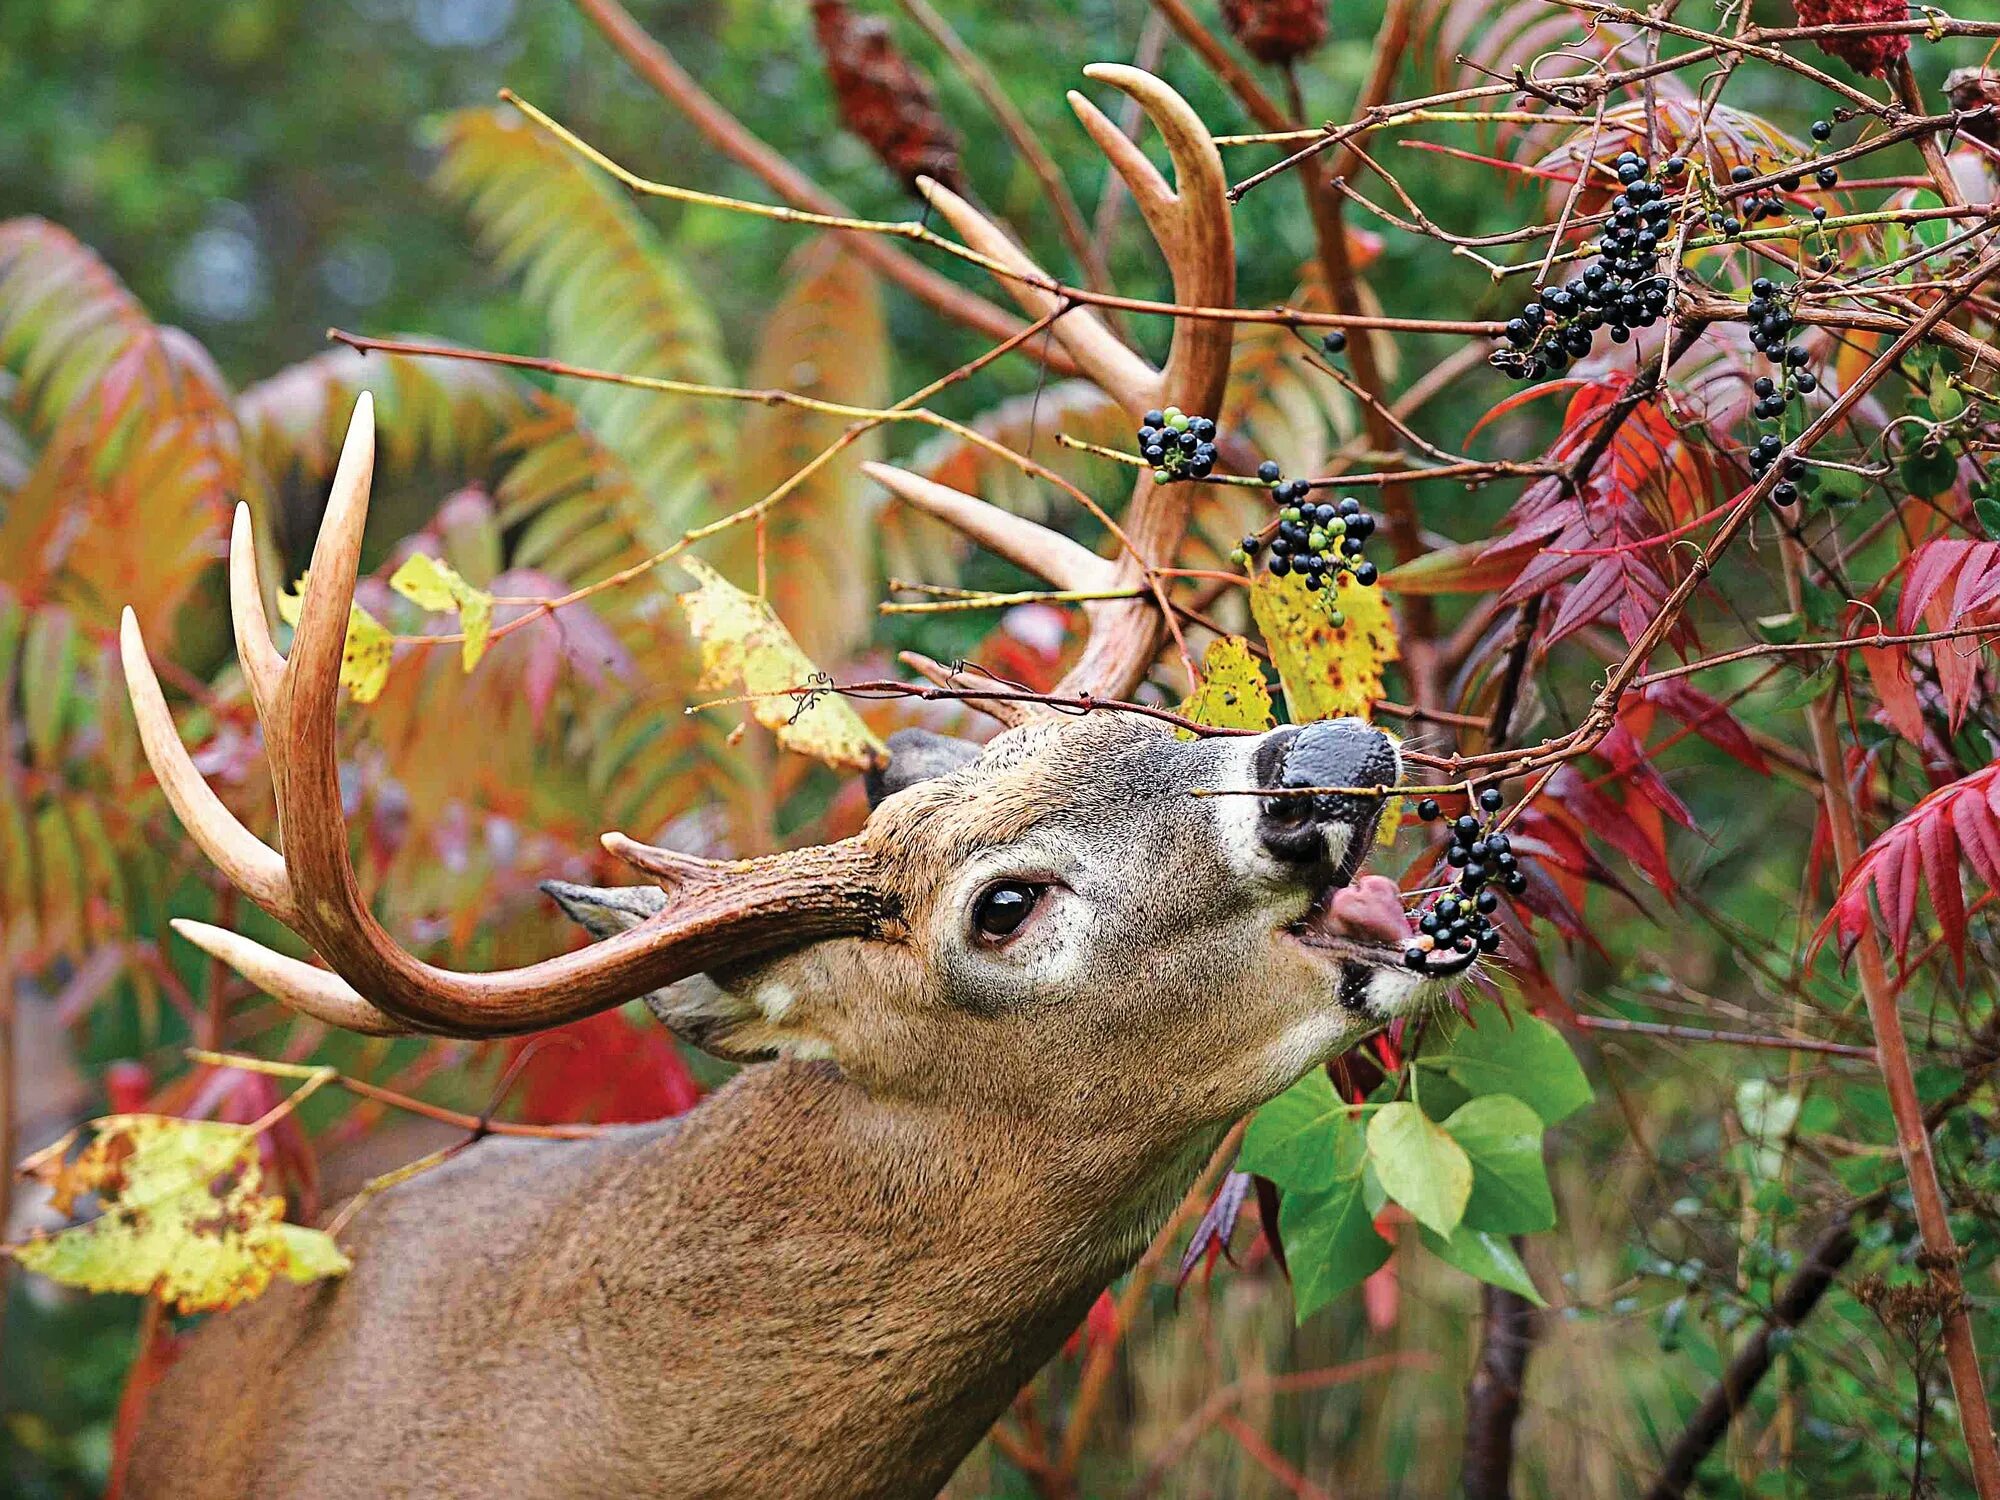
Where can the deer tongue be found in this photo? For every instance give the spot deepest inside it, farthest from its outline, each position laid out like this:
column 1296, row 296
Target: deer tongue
column 1370, row 911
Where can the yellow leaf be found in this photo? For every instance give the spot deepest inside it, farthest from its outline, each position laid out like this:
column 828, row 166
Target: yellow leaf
column 183, row 1216
column 1328, row 672
column 744, row 646
column 364, row 660
column 1232, row 694
column 434, row 584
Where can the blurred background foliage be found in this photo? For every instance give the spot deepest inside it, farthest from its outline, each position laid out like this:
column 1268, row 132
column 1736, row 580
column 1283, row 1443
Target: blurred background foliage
column 254, row 172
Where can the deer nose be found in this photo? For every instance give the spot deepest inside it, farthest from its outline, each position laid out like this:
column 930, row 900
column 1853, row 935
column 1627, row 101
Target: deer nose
column 1326, row 825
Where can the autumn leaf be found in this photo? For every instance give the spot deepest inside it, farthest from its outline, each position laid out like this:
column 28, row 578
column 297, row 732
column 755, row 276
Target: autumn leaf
column 433, row 584
column 1328, row 671
column 744, row 646
column 184, row 1216
column 1955, row 824
column 364, row 660
column 1232, row 693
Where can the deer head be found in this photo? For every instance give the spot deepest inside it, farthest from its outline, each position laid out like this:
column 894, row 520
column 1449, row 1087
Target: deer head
column 1055, row 918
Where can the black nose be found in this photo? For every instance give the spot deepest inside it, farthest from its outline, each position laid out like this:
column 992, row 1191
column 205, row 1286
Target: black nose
column 1333, row 826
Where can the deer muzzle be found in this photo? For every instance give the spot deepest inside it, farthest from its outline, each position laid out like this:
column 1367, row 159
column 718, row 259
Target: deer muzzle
column 1350, row 768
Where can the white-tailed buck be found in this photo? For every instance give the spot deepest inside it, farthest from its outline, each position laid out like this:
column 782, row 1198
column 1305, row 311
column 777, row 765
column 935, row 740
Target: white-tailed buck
column 998, row 1032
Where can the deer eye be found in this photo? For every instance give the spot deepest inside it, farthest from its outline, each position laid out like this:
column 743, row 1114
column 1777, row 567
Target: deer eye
column 1003, row 907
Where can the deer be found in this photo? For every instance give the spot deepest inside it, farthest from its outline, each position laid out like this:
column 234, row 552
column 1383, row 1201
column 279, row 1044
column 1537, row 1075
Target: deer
column 989, row 1042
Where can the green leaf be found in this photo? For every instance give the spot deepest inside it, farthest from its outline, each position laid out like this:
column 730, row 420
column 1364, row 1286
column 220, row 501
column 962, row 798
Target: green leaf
column 1419, row 1165
column 1297, row 1140
column 1528, row 1059
column 1929, row 472
column 1988, row 511
column 1510, row 1183
column 1839, row 485
column 1946, row 401
column 433, row 584
column 1488, row 1257
column 613, row 295
column 1808, row 689
column 1330, row 1239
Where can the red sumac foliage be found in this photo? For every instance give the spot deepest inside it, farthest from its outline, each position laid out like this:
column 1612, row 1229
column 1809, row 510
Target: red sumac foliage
column 1957, row 823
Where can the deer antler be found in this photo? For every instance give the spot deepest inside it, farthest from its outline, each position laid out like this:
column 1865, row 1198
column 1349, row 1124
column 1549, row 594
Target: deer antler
column 721, row 912
column 1191, row 222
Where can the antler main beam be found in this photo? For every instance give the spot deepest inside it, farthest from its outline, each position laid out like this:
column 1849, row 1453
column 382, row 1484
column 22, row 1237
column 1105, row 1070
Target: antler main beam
column 722, row 912
column 1190, row 220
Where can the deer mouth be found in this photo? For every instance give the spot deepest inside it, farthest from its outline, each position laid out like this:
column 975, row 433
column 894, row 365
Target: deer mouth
column 1362, row 920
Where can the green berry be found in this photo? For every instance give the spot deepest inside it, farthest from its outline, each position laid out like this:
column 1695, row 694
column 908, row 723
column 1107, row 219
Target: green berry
column 1289, row 513
column 1161, row 476
column 1336, row 618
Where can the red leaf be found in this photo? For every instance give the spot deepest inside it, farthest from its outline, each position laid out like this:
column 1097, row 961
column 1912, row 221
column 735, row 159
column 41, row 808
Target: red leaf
column 1211, row 1235
column 605, row 1070
column 1710, row 719
column 1610, row 821
column 1957, row 822
column 1630, row 758
column 1889, row 669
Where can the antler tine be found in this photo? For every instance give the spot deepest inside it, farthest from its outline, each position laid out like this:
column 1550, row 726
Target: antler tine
column 1192, row 224
column 1123, row 375
column 253, row 866
column 263, row 667
column 313, row 992
column 1046, row 553
column 724, row 914
column 1191, row 221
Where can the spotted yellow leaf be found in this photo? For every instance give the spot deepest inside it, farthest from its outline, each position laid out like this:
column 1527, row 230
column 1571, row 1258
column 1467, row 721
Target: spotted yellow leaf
column 1327, row 671
column 364, row 660
column 1232, row 693
column 746, row 648
column 182, row 1215
column 433, row 584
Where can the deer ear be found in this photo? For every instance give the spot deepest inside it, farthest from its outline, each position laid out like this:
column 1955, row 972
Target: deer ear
column 724, row 1023
column 918, row 755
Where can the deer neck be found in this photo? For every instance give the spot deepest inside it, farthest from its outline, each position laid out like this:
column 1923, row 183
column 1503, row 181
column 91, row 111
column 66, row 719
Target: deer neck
column 869, row 1280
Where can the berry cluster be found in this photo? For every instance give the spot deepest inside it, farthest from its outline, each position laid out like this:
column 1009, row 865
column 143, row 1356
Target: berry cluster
column 1456, row 928
column 1771, row 322
column 1321, row 543
column 1619, row 290
column 1176, row 445
column 1765, row 202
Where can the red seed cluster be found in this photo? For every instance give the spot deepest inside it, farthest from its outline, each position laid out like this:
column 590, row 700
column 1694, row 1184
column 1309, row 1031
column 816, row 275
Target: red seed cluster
column 882, row 99
column 1868, row 55
column 1276, row 31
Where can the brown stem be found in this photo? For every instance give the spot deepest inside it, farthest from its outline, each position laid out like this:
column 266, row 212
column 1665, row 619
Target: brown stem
column 1940, row 1250
column 727, row 134
column 1493, row 1397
